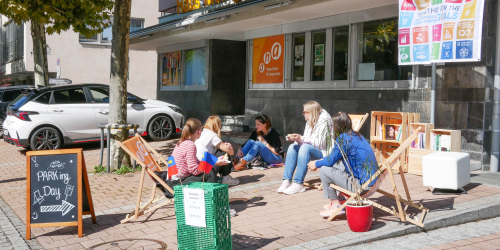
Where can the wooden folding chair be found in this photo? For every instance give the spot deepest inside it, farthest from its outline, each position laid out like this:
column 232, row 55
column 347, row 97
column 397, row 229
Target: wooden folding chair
column 141, row 151
column 384, row 171
column 357, row 123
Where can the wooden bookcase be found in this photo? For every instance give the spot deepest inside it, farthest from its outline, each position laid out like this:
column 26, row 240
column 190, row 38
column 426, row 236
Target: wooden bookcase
column 384, row 148
column 456, row 137
column 415, row 155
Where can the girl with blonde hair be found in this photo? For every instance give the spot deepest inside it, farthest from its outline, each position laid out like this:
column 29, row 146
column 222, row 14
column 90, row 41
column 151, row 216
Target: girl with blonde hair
column 310, row 146
column 209, row 141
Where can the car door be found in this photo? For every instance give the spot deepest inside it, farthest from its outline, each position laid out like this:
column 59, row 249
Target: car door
column 100, row 101
column 73, row 113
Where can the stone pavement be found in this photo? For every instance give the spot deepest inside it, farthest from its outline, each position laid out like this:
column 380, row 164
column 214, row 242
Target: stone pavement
column 474, row 235
column 265, row 219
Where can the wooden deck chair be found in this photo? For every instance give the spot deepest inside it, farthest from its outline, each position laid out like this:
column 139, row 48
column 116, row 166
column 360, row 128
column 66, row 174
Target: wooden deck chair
column 357, row 123
column 382, row 173
column 141, row 151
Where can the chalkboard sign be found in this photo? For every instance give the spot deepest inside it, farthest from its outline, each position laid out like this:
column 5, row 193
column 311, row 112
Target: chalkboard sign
column 58, row 191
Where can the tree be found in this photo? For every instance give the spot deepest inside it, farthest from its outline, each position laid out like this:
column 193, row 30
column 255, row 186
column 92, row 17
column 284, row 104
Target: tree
column 87, row 17
column 118, row 79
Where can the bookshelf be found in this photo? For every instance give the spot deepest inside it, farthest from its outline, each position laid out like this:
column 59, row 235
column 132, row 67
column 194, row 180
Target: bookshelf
column 415, row 155
column 383, row 147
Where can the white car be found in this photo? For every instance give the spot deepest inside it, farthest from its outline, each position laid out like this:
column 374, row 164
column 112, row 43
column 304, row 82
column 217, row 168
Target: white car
column 66, row 114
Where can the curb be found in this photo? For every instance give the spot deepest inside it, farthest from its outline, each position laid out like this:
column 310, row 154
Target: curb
column 468, row 215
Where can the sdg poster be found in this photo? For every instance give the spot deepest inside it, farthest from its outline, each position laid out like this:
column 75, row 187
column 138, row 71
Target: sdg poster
column 440, row 31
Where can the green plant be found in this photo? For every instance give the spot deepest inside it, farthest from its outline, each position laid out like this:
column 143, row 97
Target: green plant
column 99, row 169
column 127, row 169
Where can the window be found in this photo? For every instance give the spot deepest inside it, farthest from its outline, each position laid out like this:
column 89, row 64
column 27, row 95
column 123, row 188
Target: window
column 99, row 95
column 299, row 42
column 69, row 96
column 318, row 56
column 378, row 52
column 340, row 53
column 194, row 67
column 44, row 98
column 13, row 42
column 106, row 36
column 11, row 95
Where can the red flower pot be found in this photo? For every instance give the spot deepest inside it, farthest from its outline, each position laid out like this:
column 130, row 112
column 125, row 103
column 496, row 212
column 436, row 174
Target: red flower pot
column 359, row 218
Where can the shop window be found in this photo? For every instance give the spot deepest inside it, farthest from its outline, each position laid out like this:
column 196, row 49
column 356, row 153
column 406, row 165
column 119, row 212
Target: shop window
column 340, row 53
column 194, row 62
column 299, row 42
column 170, row 72
column 378, row 52
column 318, row 56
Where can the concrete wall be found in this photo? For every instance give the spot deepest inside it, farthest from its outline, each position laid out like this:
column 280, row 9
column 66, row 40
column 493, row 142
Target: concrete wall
column 463, row 100
column 84, row 63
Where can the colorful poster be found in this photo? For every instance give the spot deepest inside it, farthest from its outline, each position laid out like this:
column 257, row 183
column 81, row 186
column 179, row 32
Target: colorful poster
column 299, row 55
column 319, row 55
column 440, row 31
column 268, row 63
column 171, row 68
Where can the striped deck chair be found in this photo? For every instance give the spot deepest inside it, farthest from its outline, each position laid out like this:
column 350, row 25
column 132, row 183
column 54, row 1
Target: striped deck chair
column 384, row 172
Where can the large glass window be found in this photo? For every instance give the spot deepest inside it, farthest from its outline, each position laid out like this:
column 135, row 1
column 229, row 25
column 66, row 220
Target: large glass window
column 136, row 24
column 299, row 42
column 12, row 42
column 318, row 55
column 107, row 34
column 194, row 67
column 340, row 53
column 378, row 52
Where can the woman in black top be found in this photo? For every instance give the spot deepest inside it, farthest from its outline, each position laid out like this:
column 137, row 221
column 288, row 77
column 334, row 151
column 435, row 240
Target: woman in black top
column 264, row 141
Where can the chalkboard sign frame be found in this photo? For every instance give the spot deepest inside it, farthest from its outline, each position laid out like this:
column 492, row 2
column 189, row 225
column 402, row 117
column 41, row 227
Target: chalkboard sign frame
column 82, row 181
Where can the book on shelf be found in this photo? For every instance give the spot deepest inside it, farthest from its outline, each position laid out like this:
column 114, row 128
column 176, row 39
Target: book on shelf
column 419, row 142
column 390, row 132
column 440, row 142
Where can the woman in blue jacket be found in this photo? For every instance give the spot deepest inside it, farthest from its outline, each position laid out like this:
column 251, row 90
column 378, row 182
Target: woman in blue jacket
column 352, row 171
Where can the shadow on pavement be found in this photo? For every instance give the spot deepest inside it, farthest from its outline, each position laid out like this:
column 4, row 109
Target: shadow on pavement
column 240, row 204
column 252, row 242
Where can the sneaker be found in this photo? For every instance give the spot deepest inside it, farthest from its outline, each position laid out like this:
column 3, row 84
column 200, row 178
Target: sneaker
column 232, row 212
column 230, row 180
column 294, row 188
column 284, row 185
column 329, row 212
column 329, row 205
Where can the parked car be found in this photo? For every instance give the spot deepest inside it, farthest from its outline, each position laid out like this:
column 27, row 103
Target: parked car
column 7, row 95
column 52, row 116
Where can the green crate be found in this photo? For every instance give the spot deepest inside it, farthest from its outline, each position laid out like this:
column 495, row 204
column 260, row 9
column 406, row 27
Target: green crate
column 217, row 234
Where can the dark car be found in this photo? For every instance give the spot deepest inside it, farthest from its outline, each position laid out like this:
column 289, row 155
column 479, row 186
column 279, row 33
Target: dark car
column 7, row 95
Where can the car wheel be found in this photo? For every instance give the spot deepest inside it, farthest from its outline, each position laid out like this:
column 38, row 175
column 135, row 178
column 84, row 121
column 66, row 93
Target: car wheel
column 160, row 128
column 45, row 138
column 1, row 126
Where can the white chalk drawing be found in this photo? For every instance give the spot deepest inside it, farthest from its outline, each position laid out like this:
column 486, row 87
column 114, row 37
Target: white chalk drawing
column 68, row 191
column 56, row 165
column 34, row 160
column 34, row 216
column 37, row 197
column 65, row 207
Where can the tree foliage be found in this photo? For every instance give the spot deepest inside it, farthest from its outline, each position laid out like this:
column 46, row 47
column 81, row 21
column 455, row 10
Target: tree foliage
column 87, row 17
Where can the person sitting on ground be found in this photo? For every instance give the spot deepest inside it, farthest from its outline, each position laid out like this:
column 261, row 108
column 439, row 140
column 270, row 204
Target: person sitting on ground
column 185, row 156
column 209, row 141
column 359, row 162
column 264, row 141
column 310, row 146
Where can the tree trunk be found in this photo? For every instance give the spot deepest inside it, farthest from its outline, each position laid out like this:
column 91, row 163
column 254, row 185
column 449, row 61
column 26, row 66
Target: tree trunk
column 40, row 54
column 118, row 80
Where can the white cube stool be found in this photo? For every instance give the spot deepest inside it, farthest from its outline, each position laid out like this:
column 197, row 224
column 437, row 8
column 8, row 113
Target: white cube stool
column 446, row 170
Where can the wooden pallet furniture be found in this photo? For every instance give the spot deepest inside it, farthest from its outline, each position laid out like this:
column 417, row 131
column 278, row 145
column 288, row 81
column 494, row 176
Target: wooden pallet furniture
column 385, row 172
column 141, row 152
column 415, row 155
column 383, row 148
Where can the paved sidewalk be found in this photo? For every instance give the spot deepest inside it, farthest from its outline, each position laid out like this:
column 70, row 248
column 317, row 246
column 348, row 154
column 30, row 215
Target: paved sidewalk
column 265, row 219
column 474, row 235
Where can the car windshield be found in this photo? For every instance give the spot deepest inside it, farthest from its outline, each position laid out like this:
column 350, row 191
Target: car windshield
column 21, row 100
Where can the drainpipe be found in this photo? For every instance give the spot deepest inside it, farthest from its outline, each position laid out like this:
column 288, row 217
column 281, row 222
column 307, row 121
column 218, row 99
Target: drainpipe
column 495, row 140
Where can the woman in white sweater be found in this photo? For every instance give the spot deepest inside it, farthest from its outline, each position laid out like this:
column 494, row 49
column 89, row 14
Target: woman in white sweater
column 310, row 146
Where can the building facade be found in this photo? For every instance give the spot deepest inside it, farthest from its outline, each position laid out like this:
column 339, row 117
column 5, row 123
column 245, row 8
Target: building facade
column 81, row 59
column 303, row 50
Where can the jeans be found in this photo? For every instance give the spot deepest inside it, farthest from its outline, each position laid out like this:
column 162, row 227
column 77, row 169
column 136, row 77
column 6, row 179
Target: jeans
column 297, row 158
column 252, row 149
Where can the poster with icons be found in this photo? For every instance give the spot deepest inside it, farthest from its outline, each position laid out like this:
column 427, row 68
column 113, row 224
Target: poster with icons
column 440, row 31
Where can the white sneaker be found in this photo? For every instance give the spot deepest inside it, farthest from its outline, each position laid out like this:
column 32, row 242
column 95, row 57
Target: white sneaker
column 230, row 180
column 284, row 185
column 294, row 188
column 232, row 212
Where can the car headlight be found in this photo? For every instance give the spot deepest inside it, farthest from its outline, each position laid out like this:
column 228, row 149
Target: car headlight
column 176, row 109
